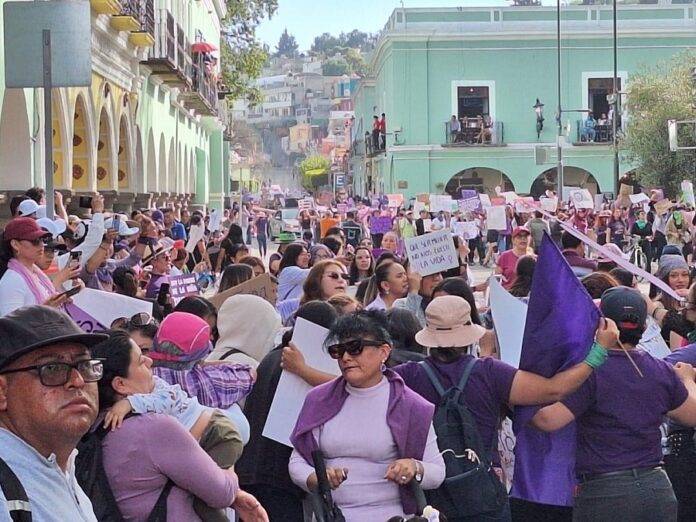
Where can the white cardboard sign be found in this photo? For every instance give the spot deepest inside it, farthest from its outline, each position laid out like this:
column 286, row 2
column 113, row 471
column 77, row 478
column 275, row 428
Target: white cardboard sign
column 105, row 307
column 582, row 198
column 432, row 253
column 496, row 218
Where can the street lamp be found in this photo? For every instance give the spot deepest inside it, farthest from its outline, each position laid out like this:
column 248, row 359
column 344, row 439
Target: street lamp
column 539, row 109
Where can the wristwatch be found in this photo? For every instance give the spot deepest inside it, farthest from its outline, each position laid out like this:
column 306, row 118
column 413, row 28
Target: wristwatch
column 419, row 471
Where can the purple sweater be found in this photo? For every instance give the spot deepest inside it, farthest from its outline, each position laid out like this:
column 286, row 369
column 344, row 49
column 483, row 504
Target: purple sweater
column 147, row 450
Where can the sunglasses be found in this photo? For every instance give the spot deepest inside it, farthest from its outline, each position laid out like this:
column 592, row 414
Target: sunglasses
column 36, row 242
column 138, row 320
column 352, row 348
column 58, row 373
column 334, row 275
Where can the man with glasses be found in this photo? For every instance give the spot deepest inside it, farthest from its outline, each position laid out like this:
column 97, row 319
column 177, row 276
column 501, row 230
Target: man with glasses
column 48, row 401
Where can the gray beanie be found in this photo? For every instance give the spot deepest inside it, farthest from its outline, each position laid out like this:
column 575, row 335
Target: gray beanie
column 670, row 262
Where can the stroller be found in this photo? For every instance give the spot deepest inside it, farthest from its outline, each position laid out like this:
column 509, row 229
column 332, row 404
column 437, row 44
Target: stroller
column 325, row 510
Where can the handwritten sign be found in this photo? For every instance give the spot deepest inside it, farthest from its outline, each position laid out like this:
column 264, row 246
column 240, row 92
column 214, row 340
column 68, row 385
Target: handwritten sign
column 305, row 204
column 380, row 224
column 432, row 253
column 525, row 205
column 470, row 204
column 395, row 200
column 183, row 285
column 466, row 229
column 261, row 286
column 442, row 203
column 582, row 198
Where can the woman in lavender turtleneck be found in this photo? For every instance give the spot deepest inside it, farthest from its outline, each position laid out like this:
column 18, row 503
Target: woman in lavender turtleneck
column 375, row 433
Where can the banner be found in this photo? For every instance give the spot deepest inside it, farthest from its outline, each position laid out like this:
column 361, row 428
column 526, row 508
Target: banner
column 85, row 321
column 183, row 285
column 432, row 253
column 471, row 204
column 260, row 286
column 380, row 224
column 105, row 307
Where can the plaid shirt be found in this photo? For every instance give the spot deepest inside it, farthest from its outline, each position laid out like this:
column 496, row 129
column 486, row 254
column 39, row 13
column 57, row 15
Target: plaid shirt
column 216, row 386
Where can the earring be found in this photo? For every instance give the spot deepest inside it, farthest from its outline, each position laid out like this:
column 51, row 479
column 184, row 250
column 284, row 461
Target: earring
column 383, row 367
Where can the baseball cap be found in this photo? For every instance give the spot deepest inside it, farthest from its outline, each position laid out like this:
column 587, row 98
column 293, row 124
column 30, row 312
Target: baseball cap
column 29, row 207
column 625, row 306
column 32, row 327
column 24, row 228
column 55, row 226
column 448, row 324
column 123, row 229
column 182, row 337
column 519, row 231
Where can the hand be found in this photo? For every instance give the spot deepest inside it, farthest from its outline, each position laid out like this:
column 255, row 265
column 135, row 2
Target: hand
column 685, row 372
column 97, row 203
column 110, row 236
column 682, row 292
column 116, row 414
column 607, row 334
column 70, row 271
column 335, row 476
column 248, row 508
column 57, row 300
column 58, row 198
column 414, row 282
column 401, row 471
column 292, row 359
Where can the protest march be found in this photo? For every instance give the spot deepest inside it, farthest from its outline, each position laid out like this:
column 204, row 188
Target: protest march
column 461, row 357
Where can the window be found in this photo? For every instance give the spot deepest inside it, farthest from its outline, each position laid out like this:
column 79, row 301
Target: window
column 597, row 91
column 472, row 101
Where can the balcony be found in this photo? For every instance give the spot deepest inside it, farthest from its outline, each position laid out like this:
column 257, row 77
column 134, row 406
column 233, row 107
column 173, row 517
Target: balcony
column 138, row 18
column 107, row 7
column 474, row 132
column 169, row 58
column 598, row 135
column 202, row 97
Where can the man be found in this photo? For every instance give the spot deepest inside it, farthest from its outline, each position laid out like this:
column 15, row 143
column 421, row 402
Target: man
column 383, row 131
column 161, row 262
column 352, row 230
column 537, row 226
column 48, row 401
column 507, row 261
column 406, row 227
column 175, row 229
column 421, row 223
column 574, row 252
column 455, row 127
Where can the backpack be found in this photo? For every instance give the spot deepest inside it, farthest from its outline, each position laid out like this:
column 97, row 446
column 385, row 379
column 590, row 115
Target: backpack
column 15, row 495
column 471, row 486
column 90, row 474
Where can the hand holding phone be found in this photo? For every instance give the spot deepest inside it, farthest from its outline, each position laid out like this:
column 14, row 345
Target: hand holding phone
column 163, row 295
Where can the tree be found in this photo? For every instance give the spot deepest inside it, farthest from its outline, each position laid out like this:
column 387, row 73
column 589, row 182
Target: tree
column 287, row 45
column 314, row 168
column 655, row 95
column 325, row 44
column 356, row 62
column 335, row 67
column 242, row 56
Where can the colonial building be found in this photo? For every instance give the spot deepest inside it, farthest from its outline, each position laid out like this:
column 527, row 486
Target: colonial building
column 487, row 66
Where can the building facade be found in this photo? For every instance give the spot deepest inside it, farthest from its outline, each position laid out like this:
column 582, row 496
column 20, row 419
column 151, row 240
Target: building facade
column 150, row 127
column 487, row 67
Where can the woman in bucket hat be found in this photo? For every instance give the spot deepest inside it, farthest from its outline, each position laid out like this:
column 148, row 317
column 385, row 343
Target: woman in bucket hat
column 493, row 384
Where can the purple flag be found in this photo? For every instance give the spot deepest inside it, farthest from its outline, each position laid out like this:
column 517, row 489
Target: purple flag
column 561, row 322
column 85, row 321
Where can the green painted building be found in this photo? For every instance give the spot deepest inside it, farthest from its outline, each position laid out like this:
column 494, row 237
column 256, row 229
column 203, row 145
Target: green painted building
column 486, row 67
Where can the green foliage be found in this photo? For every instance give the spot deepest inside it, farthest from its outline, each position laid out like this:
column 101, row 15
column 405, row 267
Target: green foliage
column 287, row 45
column 328, row 45
column 335, row 67
column 314, row 170
column 242, row 55
column 655, row 95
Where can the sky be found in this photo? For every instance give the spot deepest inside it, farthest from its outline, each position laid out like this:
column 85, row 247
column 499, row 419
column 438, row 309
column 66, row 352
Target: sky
column 306, row 19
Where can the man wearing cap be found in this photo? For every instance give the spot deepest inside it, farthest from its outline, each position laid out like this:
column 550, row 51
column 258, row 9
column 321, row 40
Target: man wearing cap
column 160, row 259
column 48, row 401
column 507, row 261
column 172, row 227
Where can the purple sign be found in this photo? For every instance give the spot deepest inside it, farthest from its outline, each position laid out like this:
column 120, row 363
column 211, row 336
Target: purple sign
column 183, row 285
column 380, row 224
column 470, row 201
column 85, row 321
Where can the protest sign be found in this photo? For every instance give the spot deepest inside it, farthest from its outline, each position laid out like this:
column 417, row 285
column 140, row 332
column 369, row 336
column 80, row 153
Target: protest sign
column 105, row 307
column 497, row 201
column 662, row 206
column 688, row 192
column 85, row 321
column 260, row 286
column 432, row 253
column 215, row 220
column 454, row 205
column 525, row 205
column 549, row 204
column 423, row 198
column 395, row 200
column 582, row 198
column 380, row 224
column 472, row 204
column 510, row 197
column 598, row 202
column 485, row 200
column 509, row 311
column 466, row 229
column 196, row 233
column 305, row 204
column 496, row 218
column 342, row 208
column 442, row 203
column 183, row 285
column 292, row 390
column 468, row 193
column 418, row 207
column 638, row 198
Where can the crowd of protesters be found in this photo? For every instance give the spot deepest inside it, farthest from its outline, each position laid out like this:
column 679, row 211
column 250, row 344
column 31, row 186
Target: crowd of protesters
column 181, row 395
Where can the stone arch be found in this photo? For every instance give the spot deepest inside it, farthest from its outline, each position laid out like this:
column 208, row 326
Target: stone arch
column 137, row 177
column 151, row 177
column 162, row 166
column 172, row 168
column 482, row 179
column 105, row 152
column 15, row 142
column 572, row 177
column 124, row 155
column 60, row 123
column 82, row 157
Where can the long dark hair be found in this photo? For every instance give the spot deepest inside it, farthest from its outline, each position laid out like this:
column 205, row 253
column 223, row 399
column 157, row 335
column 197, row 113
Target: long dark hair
column 234, row 235
column 116, row 352
column 292, row 252
column 6, row 253
column 374, row 287
column 235, row 275
column 524, row 271
column 457, row 286
column 354, row 273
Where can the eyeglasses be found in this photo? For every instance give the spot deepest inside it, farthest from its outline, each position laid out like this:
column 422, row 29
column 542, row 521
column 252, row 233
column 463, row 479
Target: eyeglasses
column 334, row 275
column 36, row 242
column 353, row 348
column 58, row 373
column 138, row 320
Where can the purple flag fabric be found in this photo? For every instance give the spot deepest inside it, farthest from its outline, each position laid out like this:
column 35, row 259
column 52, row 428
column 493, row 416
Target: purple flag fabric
column 380, row 224
column 85, row 321
column 561, row 322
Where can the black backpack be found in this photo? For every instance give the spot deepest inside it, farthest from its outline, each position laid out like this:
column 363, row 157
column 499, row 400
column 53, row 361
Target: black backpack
column 15, row 495
column 471, row 486
column 90, row 474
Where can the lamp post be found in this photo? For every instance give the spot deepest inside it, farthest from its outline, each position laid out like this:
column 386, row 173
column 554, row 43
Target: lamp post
column 616, row 103
column 559, row 114
column 539, row 109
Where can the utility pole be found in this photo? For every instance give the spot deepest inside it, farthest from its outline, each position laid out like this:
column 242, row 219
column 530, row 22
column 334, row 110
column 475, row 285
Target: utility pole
column 616, row 104
column 559, row 113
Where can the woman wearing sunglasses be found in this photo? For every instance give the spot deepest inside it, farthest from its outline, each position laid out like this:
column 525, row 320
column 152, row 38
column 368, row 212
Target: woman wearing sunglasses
column 375, row 433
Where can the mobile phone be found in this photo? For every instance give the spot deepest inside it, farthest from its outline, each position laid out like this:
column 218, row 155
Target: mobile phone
column 75, row 255
column 162, row 295
column 85, row 201
column 69, row 293
column 116, row 222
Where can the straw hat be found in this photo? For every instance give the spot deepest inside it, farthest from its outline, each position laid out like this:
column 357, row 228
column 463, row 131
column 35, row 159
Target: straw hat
column 448, row 324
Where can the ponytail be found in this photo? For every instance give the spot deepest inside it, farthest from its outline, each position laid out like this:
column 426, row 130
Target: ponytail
column 372, row 290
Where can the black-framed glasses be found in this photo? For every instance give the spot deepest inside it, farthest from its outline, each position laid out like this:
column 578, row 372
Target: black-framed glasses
column 352, row 348
column 138, row 320
column 334, row 275
column 58, row 373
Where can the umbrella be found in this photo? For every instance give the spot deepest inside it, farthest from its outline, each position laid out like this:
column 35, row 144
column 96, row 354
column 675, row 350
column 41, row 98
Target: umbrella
column 203, row 47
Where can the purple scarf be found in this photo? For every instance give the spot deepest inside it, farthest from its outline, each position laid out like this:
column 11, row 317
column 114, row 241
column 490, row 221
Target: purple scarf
column 408, row 416
column 34, row 279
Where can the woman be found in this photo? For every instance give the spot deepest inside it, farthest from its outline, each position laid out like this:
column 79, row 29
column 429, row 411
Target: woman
column 305, row 222
column 677, row 230
column 617, row 228
column 672, row 270
column 200, row 307
column 262, row 226
column 387, row 284
column 493, row 384
column 366, row 397
column 619, row 453
column 597, row 283
column 420, row 293
column 643, row 229
column 292, row 271
column 234, row 275
column 165, row 451
column 403, row 326
column 524, row 271
column 234, row 236
column 255, row 263
column 22, row 283
column 390, row 243
column 325, row 279
column 319, row 252
column 344, row 304
column 362, row 266
column 601, row 227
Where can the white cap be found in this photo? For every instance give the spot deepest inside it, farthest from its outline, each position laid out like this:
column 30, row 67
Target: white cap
column 123, row 229
column 55, row 227
column 29, row 206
